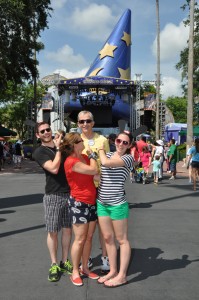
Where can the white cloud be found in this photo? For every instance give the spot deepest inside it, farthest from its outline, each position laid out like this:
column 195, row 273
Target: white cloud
column 69, row 74
column 66, row 57
column 173, row 39
column 171, row 87
column 57, row 4
column 93, row 22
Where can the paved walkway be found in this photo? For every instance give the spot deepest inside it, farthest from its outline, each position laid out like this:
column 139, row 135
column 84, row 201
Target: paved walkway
column 29, row 166
column 163, row 233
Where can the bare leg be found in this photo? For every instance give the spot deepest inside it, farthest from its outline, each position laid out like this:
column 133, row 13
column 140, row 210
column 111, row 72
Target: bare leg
column 80, row 232
column 52, row 243
column 120, row 228
column 66, row 239
column 106, row 226
column 87, row 247
column 102, row 242
column 194, row 171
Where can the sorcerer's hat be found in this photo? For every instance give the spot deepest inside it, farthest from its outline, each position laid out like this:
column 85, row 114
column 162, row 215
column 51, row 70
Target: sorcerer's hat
column 114, row 59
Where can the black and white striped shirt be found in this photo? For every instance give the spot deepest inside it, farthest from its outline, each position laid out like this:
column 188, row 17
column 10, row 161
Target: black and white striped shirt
column 111, row 189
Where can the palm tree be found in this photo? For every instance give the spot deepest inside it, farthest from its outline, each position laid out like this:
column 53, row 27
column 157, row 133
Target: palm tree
column 158, row 72
column 190, row 78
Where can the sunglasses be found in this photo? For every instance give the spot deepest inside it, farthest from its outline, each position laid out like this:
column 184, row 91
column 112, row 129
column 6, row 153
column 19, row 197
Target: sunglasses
column 87, row 121
column 77, row 142
column 119, row 141
column 47, row 130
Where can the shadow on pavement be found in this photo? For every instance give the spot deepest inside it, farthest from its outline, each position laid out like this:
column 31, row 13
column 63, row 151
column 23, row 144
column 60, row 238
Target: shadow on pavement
column 20, row 201
column 150, row 204
column 147, row 263
column 5, row 234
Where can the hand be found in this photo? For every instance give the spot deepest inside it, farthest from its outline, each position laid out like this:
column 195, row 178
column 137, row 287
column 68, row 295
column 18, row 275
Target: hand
column 57, row 141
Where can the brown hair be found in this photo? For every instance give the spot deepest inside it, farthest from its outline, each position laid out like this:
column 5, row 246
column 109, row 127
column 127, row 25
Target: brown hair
column 127, row 133
column 68, row 142
column 38, row 124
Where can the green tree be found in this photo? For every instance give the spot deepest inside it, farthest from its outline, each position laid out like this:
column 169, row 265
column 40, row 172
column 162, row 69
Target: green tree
column 21, row 22
column 182, row 65
column 178, row 107
column 13, row 113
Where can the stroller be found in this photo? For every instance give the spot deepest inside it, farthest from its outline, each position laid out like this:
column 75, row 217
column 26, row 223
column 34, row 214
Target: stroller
column 140, row 174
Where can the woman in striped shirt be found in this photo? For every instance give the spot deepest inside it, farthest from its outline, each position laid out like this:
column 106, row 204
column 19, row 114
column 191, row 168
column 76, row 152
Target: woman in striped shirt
column 113, row 209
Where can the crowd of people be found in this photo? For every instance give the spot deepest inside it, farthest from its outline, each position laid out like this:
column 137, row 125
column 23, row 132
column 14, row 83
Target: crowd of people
column 10, row 153
column 85, row 179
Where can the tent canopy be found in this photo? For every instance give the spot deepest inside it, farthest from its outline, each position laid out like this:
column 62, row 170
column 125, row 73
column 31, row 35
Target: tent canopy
column 195, row 131
column 6, row 132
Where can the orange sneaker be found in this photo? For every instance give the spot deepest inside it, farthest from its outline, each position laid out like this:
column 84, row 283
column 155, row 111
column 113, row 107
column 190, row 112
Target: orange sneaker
column 77, row 281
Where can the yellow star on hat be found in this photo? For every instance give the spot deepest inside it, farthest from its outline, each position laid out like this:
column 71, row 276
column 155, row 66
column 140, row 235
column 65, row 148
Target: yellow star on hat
column 94, row 72
column 107, row 50
column 125, row 74
column 127, row 38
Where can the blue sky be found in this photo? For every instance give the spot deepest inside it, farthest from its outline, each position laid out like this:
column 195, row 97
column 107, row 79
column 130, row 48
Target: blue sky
column 79, row 28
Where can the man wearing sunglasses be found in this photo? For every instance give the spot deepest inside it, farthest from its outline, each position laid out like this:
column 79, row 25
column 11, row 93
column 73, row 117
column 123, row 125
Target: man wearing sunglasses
column 93, row 141
column 55, row 199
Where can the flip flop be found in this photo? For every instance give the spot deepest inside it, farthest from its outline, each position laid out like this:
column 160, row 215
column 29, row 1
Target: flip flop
column 114, row 285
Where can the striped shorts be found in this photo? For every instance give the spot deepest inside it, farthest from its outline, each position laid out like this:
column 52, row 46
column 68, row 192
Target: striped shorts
column 56, row 211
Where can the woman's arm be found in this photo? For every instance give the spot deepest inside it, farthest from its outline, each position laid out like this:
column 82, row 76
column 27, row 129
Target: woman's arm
column 83, row 168
column 107, row 162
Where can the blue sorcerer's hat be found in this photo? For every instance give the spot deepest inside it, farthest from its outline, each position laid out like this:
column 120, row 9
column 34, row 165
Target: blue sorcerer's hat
column 114, row 59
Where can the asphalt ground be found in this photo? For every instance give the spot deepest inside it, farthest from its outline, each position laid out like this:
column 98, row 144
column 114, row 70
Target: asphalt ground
column 163, row 231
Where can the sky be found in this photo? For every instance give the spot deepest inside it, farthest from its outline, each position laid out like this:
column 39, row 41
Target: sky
column 78, row 30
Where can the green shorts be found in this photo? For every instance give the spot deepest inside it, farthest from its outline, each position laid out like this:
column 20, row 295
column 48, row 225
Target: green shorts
column 116, row 212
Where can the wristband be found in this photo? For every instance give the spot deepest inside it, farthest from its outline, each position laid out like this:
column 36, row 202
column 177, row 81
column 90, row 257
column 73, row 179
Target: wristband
column 93, row 155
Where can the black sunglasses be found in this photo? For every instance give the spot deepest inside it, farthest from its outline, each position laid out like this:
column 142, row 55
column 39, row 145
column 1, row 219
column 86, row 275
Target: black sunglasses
column 77, row 142
column 87, row 121
column 43, row 130
column 119, row 141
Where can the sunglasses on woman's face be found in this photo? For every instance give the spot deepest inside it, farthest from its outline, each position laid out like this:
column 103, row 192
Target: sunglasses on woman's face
column 119, row 141
column 46, row 129
column 87, row 121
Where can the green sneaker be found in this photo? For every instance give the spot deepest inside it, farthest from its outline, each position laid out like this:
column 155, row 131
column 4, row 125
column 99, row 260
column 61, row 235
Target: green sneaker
column 66, row 267
column 54, row 273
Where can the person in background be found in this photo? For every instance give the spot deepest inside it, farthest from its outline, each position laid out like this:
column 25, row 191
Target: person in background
column 80, row 170
column 141, row 143
column 111, row 140
column 145, row 158
column 113, row 208
column 189, row 160
column 57, row 192
column 92, row 141
column 167, row 154
column 159, row 151
column 156, row 167
column 1, row 157
column 17, row 157
column 194, row 157
column 173, row 158
column 136, row 156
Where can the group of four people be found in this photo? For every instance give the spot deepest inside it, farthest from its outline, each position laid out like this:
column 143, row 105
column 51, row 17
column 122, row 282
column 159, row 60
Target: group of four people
column 72, row 199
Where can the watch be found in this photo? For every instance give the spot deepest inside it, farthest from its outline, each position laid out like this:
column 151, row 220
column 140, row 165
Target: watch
column 57, row 149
